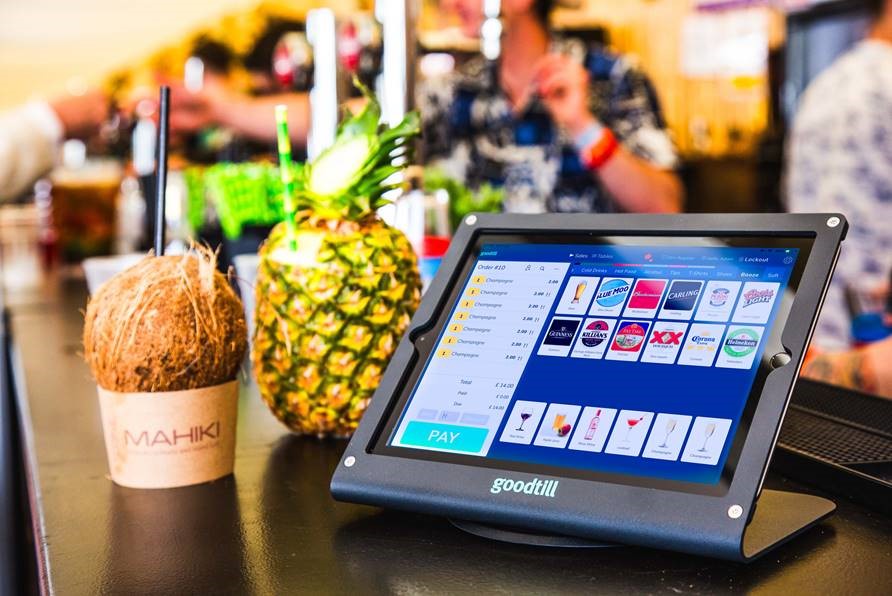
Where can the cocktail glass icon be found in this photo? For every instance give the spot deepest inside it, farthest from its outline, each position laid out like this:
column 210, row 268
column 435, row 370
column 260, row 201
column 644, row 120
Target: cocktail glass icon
column 632, row 423
column 708, row 431
column 524, row 416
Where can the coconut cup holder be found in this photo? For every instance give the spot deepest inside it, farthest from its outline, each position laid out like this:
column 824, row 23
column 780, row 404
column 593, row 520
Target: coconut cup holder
column 170, row 439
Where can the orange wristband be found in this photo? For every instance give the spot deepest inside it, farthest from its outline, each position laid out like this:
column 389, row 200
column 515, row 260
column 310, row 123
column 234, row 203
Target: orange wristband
column 599, row 152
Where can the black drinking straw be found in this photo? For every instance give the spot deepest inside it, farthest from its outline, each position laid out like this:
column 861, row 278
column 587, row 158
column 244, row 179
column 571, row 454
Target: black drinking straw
column 161, row 169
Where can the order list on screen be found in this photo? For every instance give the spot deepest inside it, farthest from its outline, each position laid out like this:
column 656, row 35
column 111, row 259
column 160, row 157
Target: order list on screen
column 489, row 338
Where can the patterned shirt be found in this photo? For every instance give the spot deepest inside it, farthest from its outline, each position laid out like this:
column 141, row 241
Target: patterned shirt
column 472, row 133
column 840, row 159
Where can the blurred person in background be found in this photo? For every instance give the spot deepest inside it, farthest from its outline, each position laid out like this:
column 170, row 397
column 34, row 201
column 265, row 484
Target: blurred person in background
column 559, row 133
column 31, row 135
column 866, row 368
column 840, row 160
column 247, row 114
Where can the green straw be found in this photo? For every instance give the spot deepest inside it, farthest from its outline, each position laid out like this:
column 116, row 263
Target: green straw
column 285, row 170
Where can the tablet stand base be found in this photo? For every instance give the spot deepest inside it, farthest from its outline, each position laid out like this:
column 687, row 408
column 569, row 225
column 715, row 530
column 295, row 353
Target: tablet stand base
column 779, row 516
column 516, row 536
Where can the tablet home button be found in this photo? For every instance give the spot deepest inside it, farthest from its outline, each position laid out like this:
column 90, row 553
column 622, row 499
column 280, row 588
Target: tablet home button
column 780, row 359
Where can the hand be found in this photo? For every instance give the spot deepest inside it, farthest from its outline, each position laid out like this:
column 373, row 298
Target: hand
column 191, row 112
column 81, row 115
column 864, row 368
column 880, row 354
column 562, row 84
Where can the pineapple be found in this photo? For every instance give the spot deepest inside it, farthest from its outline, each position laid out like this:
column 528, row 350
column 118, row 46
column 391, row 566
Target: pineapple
column 336, row 291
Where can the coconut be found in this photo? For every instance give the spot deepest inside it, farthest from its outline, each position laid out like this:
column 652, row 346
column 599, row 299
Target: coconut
column 168, row 323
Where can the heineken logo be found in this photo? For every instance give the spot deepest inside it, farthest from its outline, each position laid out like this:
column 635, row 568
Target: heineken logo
column 741, row 342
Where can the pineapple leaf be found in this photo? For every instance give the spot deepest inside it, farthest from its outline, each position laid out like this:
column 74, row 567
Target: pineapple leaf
column 339, row 166
column 348, row 180
column 366, row 121
column 406, row 129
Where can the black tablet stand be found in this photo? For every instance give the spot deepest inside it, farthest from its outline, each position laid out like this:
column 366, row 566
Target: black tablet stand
column 736, row 525
column 778, row 517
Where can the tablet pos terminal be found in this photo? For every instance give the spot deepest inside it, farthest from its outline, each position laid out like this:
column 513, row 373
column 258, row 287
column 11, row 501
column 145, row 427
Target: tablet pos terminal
column 620, row 378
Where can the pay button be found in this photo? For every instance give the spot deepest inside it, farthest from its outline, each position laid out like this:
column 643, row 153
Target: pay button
column 450, row 437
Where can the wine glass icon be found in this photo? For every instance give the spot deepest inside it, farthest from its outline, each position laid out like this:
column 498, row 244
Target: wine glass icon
column 670, row 428
column 708, row 431
column 524, row 416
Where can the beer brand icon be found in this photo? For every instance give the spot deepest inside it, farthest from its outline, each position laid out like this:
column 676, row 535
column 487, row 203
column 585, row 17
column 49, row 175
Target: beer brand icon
column 719, row 297
column 718, row 300
column 702, row 341
column 612, row 292
column 702, row 344
column 664, row 343
column 756, row 302
column 741, row 342
column 561, row 332
column 595, row 333
column 630, row 337
column 646, row 294
column 666, row 337
column 682, row 295
column 757, row 296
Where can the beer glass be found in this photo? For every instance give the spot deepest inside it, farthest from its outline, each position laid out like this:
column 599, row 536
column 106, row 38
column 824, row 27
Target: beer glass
column 84, row 209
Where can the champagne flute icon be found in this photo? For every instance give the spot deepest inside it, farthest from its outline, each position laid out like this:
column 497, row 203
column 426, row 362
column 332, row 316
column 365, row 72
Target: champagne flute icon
column 524, row 416
column 670, row 428
column 707, row 432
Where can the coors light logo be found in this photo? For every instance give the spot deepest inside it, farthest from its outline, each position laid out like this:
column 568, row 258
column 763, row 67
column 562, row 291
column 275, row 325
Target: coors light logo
column 754, row 296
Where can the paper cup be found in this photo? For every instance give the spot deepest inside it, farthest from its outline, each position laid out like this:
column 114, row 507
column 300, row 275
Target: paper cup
column 101, row 269
column 246, row 275
column 171, row 438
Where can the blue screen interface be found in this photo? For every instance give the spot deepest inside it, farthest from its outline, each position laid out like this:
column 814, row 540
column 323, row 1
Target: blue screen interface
column 620, row 359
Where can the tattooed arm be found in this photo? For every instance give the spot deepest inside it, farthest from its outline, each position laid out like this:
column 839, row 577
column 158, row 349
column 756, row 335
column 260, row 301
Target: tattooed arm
column 867, row 369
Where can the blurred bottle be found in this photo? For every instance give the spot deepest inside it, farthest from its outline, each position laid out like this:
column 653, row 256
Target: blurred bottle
column 131, row 211
column 143, row 152
column 47, row 238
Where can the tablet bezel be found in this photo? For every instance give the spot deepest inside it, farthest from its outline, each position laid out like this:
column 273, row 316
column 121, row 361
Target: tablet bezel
column 643, row 515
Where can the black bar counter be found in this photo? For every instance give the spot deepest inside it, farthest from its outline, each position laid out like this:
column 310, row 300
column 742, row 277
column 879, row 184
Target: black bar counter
column 273, row 528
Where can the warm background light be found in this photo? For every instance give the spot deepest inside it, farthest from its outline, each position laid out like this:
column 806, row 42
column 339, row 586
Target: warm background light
column 48, row 46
